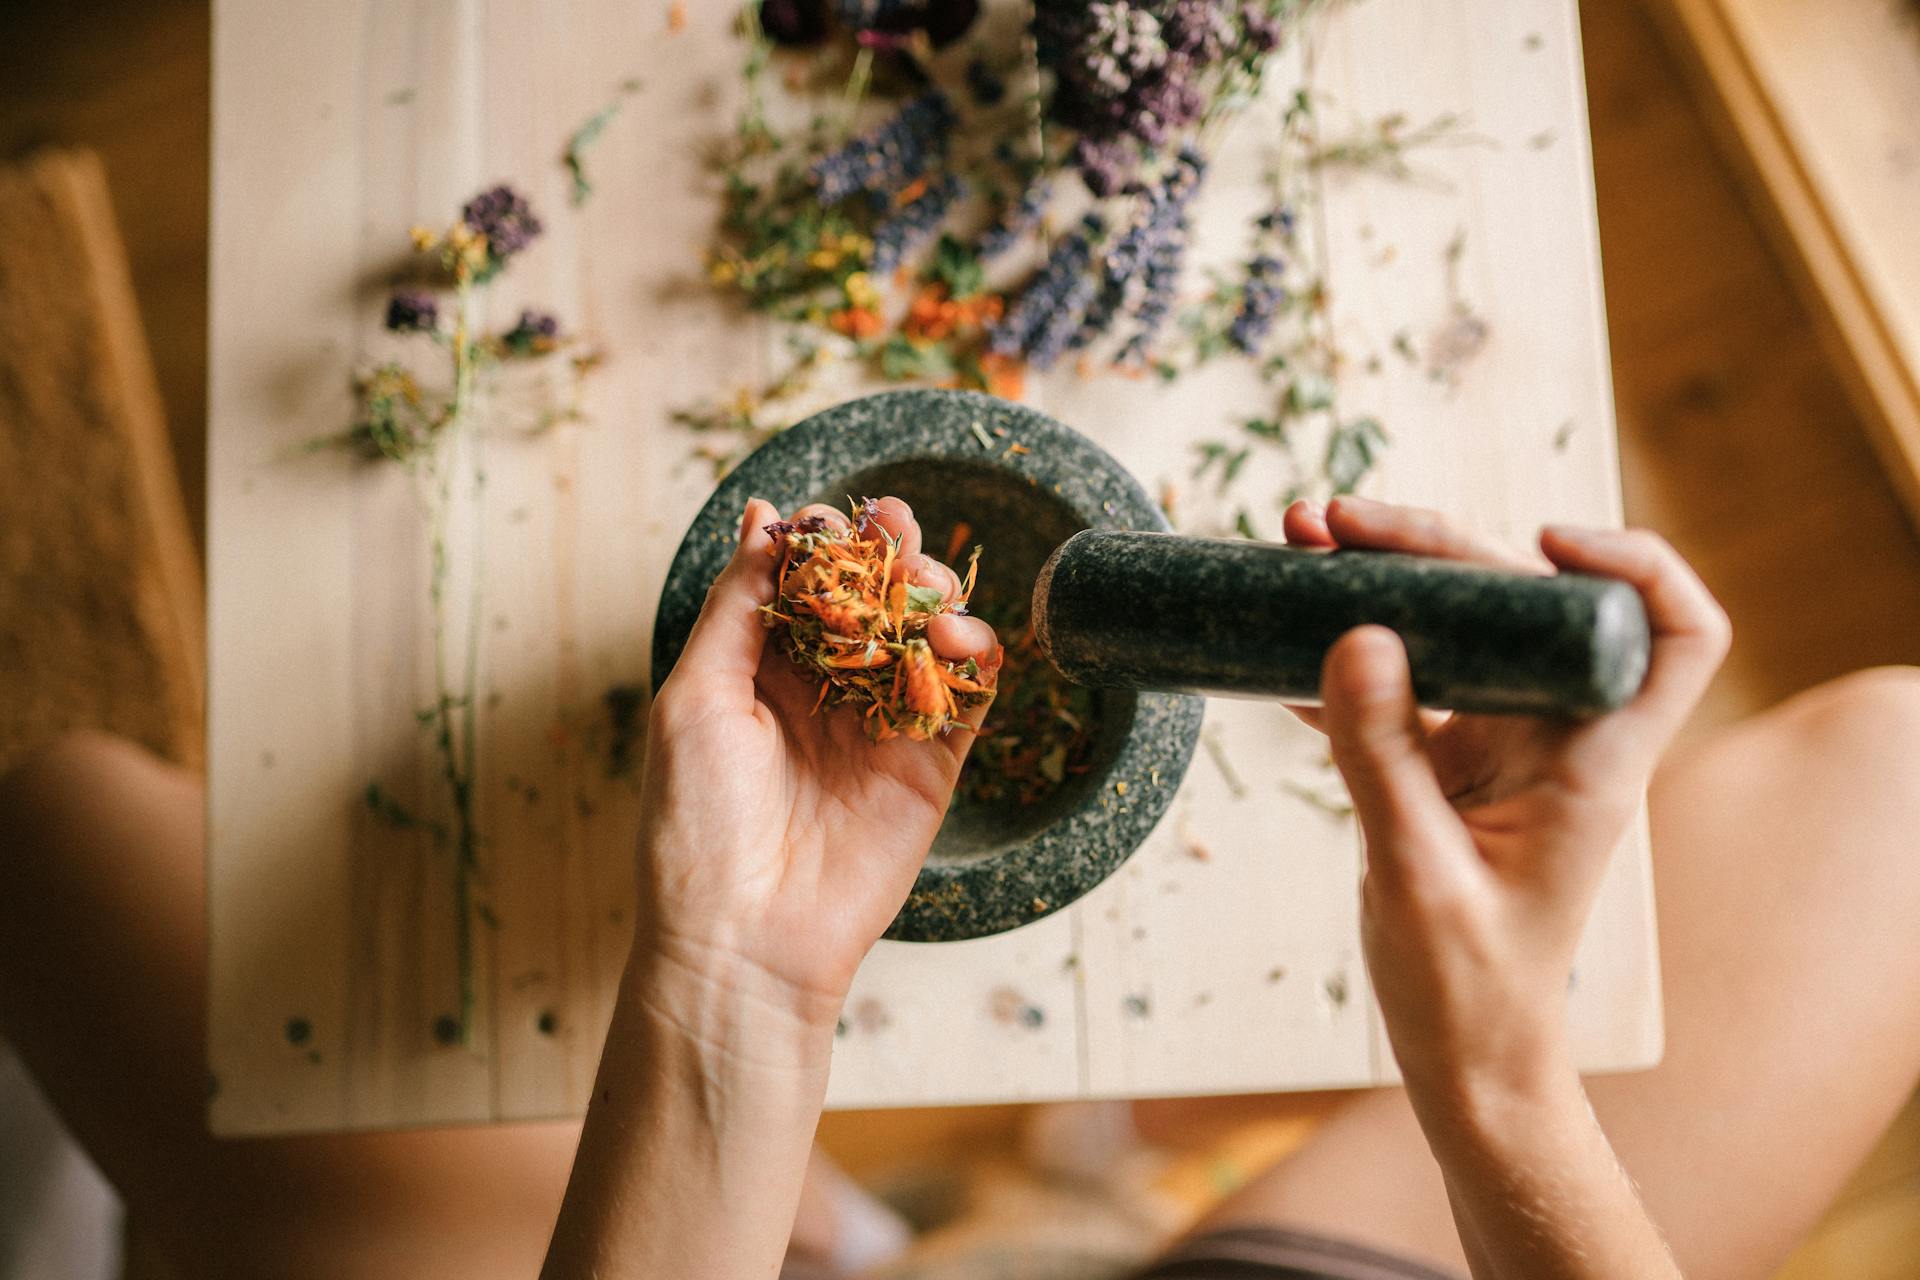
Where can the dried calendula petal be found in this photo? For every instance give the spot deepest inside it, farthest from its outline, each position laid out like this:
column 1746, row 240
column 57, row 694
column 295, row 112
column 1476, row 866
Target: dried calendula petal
column 848, row 624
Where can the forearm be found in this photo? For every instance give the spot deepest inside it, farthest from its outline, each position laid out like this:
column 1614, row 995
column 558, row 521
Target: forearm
column 697, row 1135
column 1535, row 1186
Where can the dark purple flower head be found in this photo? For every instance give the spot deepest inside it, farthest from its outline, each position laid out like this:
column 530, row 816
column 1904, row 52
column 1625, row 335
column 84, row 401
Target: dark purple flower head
column 413, row 311
column 1264, row 31
column 1197, row 29
column 1172, row 101
column 1105, row 164
column 794, row 22
column 890, row 23
column 533, row 333
column 782, row 530
column 504, row 218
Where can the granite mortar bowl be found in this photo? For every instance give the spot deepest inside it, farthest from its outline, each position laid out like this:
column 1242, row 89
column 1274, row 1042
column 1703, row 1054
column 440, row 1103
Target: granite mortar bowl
column 993, row 867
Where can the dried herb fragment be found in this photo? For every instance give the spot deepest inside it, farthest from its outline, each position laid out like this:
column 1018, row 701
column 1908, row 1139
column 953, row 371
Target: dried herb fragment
column 861, row 633
column 1039, row 733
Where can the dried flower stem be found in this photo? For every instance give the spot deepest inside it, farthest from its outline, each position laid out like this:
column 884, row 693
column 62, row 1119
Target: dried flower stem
column 456, row 724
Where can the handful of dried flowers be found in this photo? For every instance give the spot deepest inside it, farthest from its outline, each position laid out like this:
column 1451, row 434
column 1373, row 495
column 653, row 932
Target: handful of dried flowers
column 858, row 630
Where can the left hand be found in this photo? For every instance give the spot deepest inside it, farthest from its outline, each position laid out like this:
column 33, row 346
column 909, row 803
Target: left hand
column 778, row 843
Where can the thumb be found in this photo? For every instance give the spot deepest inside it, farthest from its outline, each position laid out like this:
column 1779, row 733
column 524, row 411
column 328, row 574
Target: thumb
column 729, row 636
column 1380, row 747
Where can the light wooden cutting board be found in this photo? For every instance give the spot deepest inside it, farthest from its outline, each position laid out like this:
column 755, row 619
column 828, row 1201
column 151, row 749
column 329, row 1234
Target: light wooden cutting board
column 337, row 127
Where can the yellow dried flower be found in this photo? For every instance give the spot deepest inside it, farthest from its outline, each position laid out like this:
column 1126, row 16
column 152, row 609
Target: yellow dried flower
column 860, row 290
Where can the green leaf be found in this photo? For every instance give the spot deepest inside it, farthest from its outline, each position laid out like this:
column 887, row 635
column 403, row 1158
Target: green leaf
column 955, row 266
column 1235, row 461
column 901, row 360
column 923, row 599
column 1352, row 451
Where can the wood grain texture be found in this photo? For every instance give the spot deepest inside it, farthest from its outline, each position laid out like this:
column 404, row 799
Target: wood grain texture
column 101, row 623
column 1241, row 971
column 1823, row 118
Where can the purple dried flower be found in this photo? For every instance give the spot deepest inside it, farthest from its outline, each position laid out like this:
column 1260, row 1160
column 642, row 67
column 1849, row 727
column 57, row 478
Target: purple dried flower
column 913, row 224
column 1264, row 31
column 1280, row 218
column 1169, row 102
column 1124, row 42
column 1016, row 219
column 890, row 156
column 1261, row 298
column 504, row 219
column 534, row 333
column 888, row 23
column 1162, row 277
column 1197, row 29
column 1105, row 164
column 1056, row 329
column 413, row 311
column 1055, row 289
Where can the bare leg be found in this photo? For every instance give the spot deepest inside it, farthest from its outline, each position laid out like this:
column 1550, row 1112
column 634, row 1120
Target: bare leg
column 102, row 981
column 1788, row 878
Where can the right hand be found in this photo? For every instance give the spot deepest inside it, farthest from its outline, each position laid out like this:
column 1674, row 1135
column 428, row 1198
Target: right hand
column 1487, row 836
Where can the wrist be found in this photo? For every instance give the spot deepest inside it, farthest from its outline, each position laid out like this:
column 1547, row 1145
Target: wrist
column 717, row 1004
column 1497, row 1106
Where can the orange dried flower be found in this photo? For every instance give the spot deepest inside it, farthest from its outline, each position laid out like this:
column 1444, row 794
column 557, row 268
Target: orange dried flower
column 857, row 322
column 926, row 692
column 848, row 623
column 1006, row 376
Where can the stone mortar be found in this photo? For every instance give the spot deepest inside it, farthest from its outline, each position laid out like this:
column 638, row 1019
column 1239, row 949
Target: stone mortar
column 993, row 867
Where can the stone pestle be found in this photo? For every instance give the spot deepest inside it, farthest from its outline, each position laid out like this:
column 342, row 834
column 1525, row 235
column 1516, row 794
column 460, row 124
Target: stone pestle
column 1136, row 610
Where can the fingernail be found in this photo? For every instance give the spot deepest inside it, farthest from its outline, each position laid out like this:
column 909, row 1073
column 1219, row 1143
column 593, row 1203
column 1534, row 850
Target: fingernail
column 1574, row 533
column 1354, row 502
column 1316, row 509
column 746, row 520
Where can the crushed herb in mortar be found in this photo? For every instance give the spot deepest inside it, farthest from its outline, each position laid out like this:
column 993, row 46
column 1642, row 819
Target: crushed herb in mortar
column 850, row 625
column 1038, row 734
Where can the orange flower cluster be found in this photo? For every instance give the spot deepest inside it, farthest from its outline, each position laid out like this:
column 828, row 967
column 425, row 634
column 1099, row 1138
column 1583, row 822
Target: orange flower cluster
column 851, row 625
column 932, row 315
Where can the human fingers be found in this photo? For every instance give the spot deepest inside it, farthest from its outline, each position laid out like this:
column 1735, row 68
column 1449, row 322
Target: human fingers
column 1305, row 524
column 1689, row 628
column 823, row 511
column 958, row 636
column 1379, row 746
column 723, row 650
column 923, row 570
column 1381, row 526
column 895, row 518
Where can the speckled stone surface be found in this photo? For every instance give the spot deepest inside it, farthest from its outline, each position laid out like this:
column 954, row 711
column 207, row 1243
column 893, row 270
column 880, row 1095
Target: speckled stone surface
column 1156, row 611
column 993, row 867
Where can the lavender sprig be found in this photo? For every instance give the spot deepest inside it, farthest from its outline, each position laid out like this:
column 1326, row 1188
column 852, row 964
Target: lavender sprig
column 1054, row 289
column 891, row 156
column 1017, row 219
column 914, row 223
column 1261, row 298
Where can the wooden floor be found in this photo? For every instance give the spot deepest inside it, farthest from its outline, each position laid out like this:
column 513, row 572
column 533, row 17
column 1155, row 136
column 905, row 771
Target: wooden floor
column 1737, row 439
